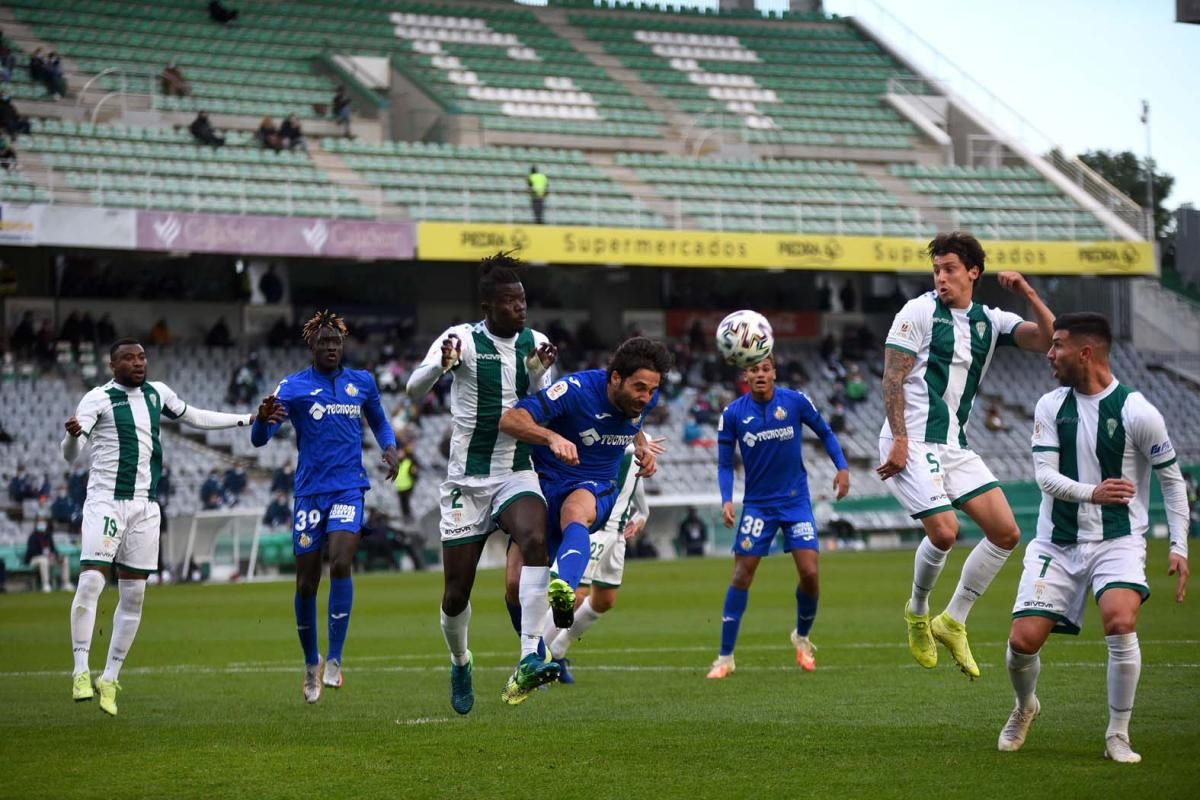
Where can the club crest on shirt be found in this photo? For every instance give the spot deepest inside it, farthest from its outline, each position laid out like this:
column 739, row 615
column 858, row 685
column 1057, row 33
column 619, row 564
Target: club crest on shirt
column 1110, row 425
column 1037, row 429
column 351, row 390
column 305, row 540
column 980, row 328
column 780, row 413
column 747, row 543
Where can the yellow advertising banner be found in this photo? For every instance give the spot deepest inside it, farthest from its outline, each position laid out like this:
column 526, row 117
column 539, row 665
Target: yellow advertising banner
column 552, row 244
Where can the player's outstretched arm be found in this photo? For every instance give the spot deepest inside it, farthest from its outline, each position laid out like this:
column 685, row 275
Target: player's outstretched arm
column 1033, row 336
column 896, row 366
column 519, row 424
column 214, row 420
column 271, row 414
column 442, row 357
column 645, row 454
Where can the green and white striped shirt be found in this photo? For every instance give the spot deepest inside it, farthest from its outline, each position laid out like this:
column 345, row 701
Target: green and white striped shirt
column 953, row 348
column 1087, row 439
column 121, row 424
column 492, row 374
column 631, row 496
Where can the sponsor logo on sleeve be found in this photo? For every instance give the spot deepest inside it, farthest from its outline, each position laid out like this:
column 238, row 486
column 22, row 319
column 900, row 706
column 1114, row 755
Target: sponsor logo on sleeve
column 557, row 390
column 1161, row 449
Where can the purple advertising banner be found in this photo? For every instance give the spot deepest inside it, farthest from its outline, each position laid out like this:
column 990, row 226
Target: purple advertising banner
column 274, row 236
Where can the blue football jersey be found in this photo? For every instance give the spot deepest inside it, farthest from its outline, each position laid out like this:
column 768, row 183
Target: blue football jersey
column 327, row 413
column 578, row 409
column 769, row 436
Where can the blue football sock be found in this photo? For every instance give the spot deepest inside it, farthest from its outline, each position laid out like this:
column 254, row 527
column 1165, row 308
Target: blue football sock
column 731, row 617
column 806, row 611
column 341, row 598
column 574, row 553
column 514, row 614
column 306, row 627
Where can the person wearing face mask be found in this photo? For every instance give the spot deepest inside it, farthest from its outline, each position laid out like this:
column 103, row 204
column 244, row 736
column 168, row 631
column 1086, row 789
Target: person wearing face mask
column 41, row 553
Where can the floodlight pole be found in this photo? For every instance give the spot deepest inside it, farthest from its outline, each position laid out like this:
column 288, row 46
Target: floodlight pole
column 1149, row 174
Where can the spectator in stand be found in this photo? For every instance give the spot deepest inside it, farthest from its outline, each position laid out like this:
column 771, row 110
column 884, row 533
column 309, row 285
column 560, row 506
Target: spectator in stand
column 55, row 78
column 218, row 335
column 838, row 395
column 8, row 156
column 825, row 297
column 279, row 512
column 284, row 480
column 11, row 121
column 37, row 66
column 166, row 488
column 23, row 336
column 291, row 134
column 691, row 431
column 856, row 385
column 341, row 110
column 271, row 287
column 87, row 328
column 994, row 421
column 280, row 334
column 245, row 383
column 539, row 187
column 160, row 334
column 41, row 553
column 203, row 132
column 848, row 297
column 693, row 534
column 8, row 59
column 220, row 13
column 70, row 330
column 63, row 511
column 77, row 483
column 211, row 498
column 268, row 135
column 106, row 332
column 23, row 486
column 830, row 358
column 837, row 419
column 172, row 82
column 234, row 483
column 406, row 481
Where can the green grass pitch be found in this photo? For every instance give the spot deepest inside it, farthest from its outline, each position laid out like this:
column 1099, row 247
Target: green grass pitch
column 211, row 705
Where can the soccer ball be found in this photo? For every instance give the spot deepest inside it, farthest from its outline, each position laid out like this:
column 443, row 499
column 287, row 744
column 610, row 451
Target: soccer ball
column 744, row 338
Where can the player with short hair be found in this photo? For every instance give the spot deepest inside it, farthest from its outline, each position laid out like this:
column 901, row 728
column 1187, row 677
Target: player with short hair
column 326, row 404
column 121, row 517
column 597, row 591
column 765, row 425
column 580, row 427
column 937, row 353
column 1095, row 444
column 490, row 480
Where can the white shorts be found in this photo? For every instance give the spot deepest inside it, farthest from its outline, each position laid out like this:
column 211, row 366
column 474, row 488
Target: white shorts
column 606, row 566
column 471, row 508
column 1057, row 577
column 938, row 477
column 121, row 532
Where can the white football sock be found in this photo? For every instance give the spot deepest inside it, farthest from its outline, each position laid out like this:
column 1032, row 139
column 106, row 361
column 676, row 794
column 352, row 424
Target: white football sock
column 926, row 568
column 1023, row 671
column 454, row 631
column 1124, row 669
column 535, row 605
column 126, row 620
column 585, row 617
column 981, row 566
column 83, row 615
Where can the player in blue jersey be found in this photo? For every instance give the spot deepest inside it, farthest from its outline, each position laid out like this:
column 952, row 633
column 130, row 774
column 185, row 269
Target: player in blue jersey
column 326, row 404
column 765, row 424
column 580, row 427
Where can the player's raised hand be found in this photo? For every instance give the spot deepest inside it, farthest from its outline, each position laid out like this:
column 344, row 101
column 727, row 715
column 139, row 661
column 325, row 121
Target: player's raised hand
column 271, row 411
column 1014, row 282
column 73, row 427
column 564, row 451
column 391, row 457
column 547, row 354
column 841, row 483
column 633, row 528
column 1179, row 565
column 451, row 351
column 1113, row 492
column 647, row 460
column 727, row 515
column 657, row 446
column 896, row 460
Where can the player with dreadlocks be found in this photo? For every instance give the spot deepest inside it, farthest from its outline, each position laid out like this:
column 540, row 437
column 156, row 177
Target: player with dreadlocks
column 326, row 404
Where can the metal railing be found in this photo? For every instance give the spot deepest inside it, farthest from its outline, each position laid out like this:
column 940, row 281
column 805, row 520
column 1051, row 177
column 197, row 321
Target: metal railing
column 957, row 83
column 131, row 83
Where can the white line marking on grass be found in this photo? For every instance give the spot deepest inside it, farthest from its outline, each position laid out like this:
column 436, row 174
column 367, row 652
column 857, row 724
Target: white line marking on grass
column 422, row 721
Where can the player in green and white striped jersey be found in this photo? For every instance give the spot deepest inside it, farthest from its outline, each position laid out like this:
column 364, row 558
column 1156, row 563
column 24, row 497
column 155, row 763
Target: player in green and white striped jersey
column 120, row 420
column 490, row 480
column 597, row 592
column 1095, row 444
column 937, row 352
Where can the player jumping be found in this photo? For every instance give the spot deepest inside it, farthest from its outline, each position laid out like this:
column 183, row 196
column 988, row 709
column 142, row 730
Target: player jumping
column 765, row 424
column 326, row 404
column 1095, row 443
column 120, row 420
